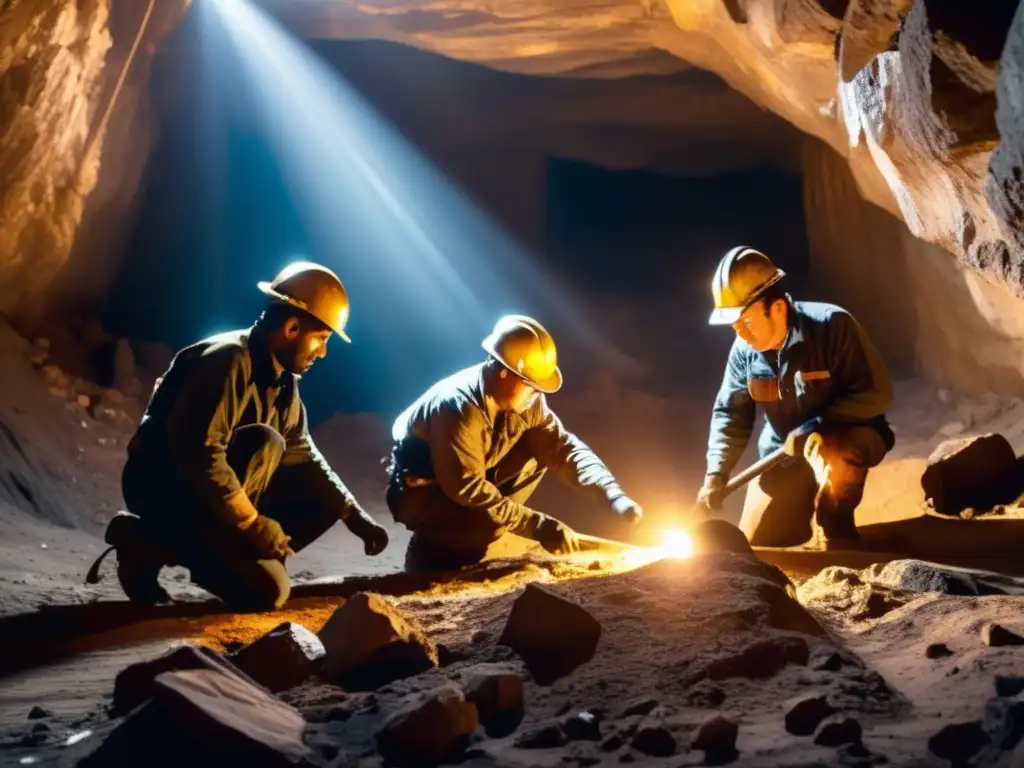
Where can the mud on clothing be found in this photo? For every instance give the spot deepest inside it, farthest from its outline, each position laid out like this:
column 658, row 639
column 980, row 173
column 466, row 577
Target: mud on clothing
column 222, row 420
column 461, row 471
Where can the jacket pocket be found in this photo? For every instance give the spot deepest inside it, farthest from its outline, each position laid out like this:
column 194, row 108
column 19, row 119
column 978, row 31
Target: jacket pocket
column 763, row 389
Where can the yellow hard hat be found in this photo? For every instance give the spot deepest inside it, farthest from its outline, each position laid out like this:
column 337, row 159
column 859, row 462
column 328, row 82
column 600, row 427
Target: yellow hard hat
column 525, row 347
column 742, row 275
column 314, row 289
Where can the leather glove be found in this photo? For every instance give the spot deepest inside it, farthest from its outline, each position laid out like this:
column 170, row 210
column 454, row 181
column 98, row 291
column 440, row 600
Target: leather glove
column 712, row 493
column 269, row 537
column 627, row 510
column 555, row 536
column 374, row 535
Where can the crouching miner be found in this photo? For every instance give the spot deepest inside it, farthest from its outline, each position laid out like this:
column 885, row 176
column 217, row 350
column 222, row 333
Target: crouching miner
column 222, row 476
column 471, row 450
column 796, row 361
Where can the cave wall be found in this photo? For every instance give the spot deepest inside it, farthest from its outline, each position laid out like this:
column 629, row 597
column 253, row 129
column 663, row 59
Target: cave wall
column 930, row 314
column 59, row 66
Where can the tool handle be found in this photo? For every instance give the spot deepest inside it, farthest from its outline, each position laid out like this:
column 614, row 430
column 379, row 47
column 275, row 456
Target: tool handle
column 755, row 469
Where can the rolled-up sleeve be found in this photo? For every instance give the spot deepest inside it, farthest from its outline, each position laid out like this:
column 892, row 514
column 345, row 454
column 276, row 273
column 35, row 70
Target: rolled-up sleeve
column 456, row 451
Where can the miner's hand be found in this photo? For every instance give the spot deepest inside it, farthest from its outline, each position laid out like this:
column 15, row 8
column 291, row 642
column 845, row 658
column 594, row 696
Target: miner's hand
column 269, row 538
column 556, row 537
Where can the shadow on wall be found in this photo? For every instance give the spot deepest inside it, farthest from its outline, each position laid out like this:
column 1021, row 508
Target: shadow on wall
column 929, row 314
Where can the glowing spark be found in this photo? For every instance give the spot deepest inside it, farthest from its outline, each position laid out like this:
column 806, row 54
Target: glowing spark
column 676, row 544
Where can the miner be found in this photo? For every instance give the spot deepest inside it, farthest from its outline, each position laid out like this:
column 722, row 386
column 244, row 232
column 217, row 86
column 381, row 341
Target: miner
column 795, row 361
column 222, row 475
column 472, row 449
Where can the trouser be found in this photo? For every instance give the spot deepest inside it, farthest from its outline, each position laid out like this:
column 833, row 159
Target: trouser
column 781, row 504
column 220, row 558
column 446, row 535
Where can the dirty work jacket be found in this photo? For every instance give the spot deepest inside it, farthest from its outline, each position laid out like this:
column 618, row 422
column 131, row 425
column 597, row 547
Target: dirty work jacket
column 211, row 389
column 449, row 436
column 827, row 367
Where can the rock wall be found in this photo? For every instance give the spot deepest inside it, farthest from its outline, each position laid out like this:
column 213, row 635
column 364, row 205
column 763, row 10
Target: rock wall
column 60, row 63
column 929, row 313
column 907, row 90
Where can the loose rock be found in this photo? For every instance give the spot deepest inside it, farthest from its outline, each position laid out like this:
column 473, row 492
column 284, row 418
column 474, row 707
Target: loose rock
column 283, row 658
column 543, row 737
column 368, row 643
column 553, row 635
column 582, row 726
column 654, row 740
column 429, row 728
column 1006, row 685
column 958, row 742
column 38, row 713
column 996, row 635
column 135, row 684
column 497, row 694
column 717, row 737
column 643, row 707
column 937, row 651
column 199, row 716
column 968, row 472
column 806, row 713
column 837, row 731
column 705, row 694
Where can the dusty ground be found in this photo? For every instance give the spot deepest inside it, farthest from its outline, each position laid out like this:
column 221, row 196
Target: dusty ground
column 59, row 466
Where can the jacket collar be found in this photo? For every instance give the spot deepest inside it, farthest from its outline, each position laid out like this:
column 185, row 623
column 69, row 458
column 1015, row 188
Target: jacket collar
column 263, row 371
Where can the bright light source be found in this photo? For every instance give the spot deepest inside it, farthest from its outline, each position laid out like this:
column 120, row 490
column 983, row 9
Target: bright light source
column 676, row 544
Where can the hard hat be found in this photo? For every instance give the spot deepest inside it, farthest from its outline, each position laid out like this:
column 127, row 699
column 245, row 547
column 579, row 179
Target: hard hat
column 313, row 289
column 525, row 347
column 742, row 275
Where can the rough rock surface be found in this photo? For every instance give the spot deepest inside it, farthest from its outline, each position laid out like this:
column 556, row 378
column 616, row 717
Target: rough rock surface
column 282, row 658
column 369, row 643
column 59, row 63
column 907, row 91
column 429, row 728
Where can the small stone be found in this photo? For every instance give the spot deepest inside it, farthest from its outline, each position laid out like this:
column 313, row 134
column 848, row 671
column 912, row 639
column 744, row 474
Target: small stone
column 479, row 637
column 283, row 658
column 582, row 726
column 1009, row 685
column 428, row 728
column 613, row 743
column 643, row 707
column 497, row 694
column 806, row 713
column 937, row 651
column 552, row 635
column 84, row 401
column 958, row 742
column 55, row 377
column 996, row 635
column 58, row 392
column 543, row 737
column 368, row 643
column 717, row 737
column 705, row 694
column 38, row 713
column 837, row 731
column 833, row 662
column 654, row 740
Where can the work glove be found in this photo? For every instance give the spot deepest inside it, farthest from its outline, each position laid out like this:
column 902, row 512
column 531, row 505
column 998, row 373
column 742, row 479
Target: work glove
column 374, row 535
column 555, row 536
column 269, row 538
column 711, row 494
column 627, row 510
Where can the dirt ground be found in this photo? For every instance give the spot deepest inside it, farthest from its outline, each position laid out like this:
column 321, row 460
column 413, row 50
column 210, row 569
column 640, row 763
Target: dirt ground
column 60, row 459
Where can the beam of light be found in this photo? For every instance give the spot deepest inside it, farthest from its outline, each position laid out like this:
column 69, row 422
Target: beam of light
column 419, row 259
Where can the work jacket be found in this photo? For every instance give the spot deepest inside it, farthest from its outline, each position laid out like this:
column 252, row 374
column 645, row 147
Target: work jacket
column 827, row 367
column 213, row 388
column 453, row 434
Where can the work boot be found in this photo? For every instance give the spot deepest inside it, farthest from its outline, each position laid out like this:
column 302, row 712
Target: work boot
column 139, row 559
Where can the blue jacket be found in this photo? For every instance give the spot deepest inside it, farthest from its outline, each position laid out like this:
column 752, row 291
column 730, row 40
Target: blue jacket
column 827, row 367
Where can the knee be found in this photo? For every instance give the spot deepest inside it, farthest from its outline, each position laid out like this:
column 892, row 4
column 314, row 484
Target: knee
column 255, row 440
